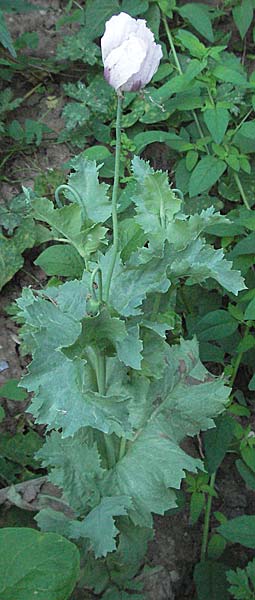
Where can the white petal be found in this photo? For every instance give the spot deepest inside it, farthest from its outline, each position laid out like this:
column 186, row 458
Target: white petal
column 150, row 63
column 124, row 62
column 144, row 32
column 117, row 30
column 146, row 71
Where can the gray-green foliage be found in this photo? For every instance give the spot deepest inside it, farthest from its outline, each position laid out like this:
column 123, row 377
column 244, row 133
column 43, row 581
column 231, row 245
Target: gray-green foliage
column 118, row 457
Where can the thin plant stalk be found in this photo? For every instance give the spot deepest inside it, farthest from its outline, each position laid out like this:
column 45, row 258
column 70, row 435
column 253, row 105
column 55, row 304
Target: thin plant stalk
column 207, row 520
column 241, row 190
column 236, row 176
column 114, row 199
column 178, row 66
column 239, row 356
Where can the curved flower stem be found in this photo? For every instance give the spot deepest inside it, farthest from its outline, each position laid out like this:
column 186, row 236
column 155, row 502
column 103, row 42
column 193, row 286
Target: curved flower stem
column 114, row 200
column 207, row 520
column 178, row 66
column 69, row 188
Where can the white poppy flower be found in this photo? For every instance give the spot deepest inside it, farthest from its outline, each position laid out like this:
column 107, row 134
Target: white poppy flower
column 130, row 54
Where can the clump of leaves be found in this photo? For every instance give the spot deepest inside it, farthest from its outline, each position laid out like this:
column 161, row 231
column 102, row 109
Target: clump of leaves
column 110, row 381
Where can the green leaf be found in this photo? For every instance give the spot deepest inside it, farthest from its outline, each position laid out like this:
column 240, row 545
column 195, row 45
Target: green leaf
column 5, row 38
column 208, row 170
column 197, row 503
column 78, row 47
column 134, row 9
column 244, row 138
column 11, row 391
column 242, row 582
column 167, row 7
column 192, row 43
column 178, row 408
column 11, row 249
column 229, row 75
column 216, row 547
column 245, row 246
column 34, row 563
column 97, row 153
column 216, row 325
column 68, row 223
column 246, row 473
column 93, row 195
column 198, row 261
column 63, row 260
column 34, row 131
column 217, row 119
column 217, row 442
column 252, row 383
column 97, row 13
column 156, row 204
column 152, row 17
column 240, row 530
column 131, row 237
column 20, row 448
column 198, row 16
column 246, row 343
column 76, row 468
column 100, row 331
column 141, row 140
column 243, row 16
column 99, row 525
column 65, row 393
column 75, row 113
column 191, row 159
column 144, row 273
column 18, row 6
column 53, row 521
column 210, row 580
column 129, row 349
column 248, row 455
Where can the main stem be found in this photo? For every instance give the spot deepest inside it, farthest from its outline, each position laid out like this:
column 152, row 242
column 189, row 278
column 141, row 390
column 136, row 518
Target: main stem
column 101, row 360
column 101, row 384
column 114, row 200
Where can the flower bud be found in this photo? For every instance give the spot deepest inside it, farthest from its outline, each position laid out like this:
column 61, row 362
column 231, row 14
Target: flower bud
column 130, row 54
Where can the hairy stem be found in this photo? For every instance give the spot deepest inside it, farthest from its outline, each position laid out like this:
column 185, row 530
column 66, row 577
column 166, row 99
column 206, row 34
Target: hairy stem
column 101, row 385
column 207, row 520
column 114, row 199
column 122, row 448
